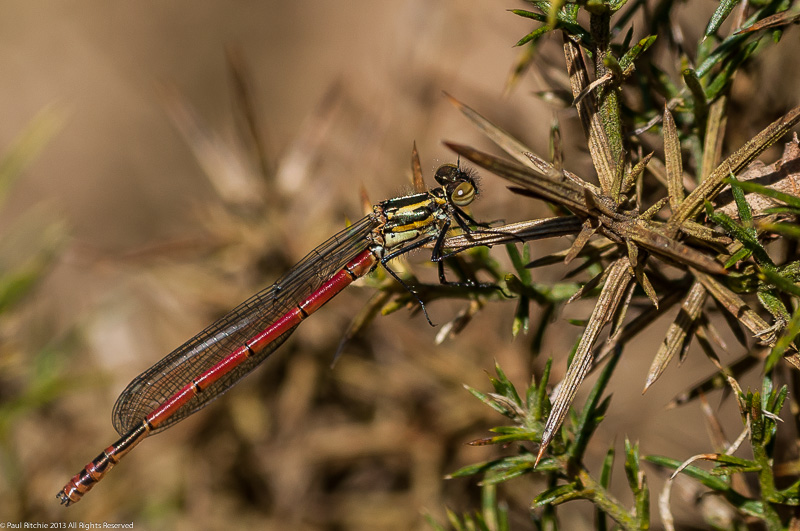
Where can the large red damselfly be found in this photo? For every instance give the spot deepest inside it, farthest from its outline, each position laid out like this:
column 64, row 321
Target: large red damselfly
column 210, row 363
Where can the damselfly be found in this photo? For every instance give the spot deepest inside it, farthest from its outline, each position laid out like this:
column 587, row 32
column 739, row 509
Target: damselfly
column 207, row 365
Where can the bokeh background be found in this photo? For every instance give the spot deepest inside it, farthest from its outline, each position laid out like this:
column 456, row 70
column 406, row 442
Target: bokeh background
column 160, row 219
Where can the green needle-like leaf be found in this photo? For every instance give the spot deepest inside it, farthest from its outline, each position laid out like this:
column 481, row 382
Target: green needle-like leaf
column 723, row 10
column 782, row 344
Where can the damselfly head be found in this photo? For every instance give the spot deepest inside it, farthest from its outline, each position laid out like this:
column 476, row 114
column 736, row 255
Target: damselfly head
column 460, row 184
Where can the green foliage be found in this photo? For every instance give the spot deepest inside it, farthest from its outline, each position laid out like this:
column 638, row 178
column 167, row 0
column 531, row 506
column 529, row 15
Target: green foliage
column 721, row 243
column 493, row 515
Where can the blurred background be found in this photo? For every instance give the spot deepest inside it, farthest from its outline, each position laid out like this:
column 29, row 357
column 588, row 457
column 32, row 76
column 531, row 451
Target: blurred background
column 149, row 213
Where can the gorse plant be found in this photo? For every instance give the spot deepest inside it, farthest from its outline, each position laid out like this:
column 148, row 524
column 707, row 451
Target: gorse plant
column 705, row 208
column 671, row 186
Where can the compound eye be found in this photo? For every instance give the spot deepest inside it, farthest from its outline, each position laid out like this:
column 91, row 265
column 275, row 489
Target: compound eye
column 446, row 174
column 463, row 195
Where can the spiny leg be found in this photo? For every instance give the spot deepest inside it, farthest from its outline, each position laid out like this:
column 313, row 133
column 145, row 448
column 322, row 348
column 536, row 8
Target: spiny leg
column 385, row 260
